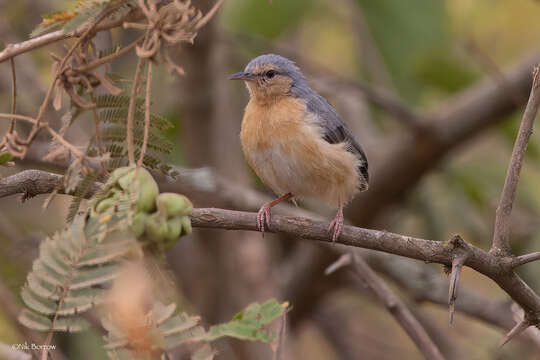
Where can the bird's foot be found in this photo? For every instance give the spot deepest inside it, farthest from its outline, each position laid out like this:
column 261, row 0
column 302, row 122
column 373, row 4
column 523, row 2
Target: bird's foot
column 263, row 216
column 337, row 225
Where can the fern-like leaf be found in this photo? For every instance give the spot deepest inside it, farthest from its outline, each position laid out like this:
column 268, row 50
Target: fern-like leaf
column 83, row 11
column 74, row 268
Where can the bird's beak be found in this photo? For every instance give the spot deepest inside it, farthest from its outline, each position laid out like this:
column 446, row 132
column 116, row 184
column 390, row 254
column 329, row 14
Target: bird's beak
column 243, row 76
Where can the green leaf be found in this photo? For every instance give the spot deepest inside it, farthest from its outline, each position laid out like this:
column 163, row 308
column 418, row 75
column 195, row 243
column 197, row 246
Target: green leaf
column 5, row 157
column 250, row 324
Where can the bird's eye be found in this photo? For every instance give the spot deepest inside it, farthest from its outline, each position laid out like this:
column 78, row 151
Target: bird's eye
column 270, row 74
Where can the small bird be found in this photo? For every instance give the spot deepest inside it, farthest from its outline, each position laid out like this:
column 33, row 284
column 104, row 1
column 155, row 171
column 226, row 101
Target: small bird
column 295, row 140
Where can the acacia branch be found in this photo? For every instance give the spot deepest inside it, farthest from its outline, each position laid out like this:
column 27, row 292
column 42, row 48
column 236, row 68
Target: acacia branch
column 501, row 233
column 497, row 268
column 524, row 259
column 13, row 50
column 34, row 182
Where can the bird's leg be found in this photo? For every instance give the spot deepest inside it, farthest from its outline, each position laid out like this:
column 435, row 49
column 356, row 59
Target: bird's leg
column 337, row 224
column 263, row 216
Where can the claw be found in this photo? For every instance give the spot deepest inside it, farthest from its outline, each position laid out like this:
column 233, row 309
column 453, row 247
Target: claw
column 337, row 224
column 263, row 216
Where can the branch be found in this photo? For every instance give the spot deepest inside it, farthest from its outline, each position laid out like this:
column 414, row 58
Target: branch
column 394, row 305
column 524, row 259
column 494, row 267
column 34, row 182
column 13, row 50
column 501, row 233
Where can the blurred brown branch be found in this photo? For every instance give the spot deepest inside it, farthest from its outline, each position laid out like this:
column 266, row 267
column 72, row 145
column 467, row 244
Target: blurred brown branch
column 393, row 304
column 13, row 50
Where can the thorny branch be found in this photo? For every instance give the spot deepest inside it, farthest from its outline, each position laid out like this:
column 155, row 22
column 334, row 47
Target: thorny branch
column 501, row 232
column 34, row 182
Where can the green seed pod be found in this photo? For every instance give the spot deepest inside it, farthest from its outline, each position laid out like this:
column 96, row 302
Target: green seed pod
column 174, row 226
column 104, row 205
column 146, row 185
column 138, row 224
column 120, row 172
column 156, row 227
column 186, row 225
column 172, row 205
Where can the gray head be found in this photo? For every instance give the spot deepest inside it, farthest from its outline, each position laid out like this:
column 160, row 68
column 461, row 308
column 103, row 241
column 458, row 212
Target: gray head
column 271, row 76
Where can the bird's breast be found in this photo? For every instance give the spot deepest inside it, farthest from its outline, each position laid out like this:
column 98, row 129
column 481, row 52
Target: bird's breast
column 284, row 146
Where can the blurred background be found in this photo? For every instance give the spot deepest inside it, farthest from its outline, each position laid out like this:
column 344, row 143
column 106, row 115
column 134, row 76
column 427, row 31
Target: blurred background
column 434, row 91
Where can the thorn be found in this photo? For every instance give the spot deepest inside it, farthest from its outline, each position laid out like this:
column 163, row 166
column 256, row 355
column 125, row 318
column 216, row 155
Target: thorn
column 457, row 264
column 344, row 260
column 516, row 330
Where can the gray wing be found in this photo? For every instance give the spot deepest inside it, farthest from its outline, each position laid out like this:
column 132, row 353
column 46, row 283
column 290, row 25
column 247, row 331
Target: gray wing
column 335, row 131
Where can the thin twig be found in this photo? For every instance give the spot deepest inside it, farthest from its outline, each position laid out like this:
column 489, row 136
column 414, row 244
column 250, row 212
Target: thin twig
column 13, row 50
column 209, row 15
column 146, row 113
column 344, row 260
column 131, row 112
column 106, row 59
column 501, row 233
column 524, row 259
column 19, row 117
column 397, row 309
column 13, row 95
column 45, row 103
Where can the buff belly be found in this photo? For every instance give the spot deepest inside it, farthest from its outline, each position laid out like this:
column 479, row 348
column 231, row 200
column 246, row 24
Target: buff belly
column 286, row 150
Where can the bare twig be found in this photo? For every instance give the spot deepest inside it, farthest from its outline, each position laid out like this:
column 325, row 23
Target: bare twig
column 396, row 308
column 344, row 260
column 146, row 113
column 501, row 233
column 106, row 59
column 524, row 259
column 13, row 50
column 19, row 117
column 131, row 112
column 13, row 94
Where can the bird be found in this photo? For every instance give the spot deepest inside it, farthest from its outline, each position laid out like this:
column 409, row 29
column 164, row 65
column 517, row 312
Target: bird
column 296, row 142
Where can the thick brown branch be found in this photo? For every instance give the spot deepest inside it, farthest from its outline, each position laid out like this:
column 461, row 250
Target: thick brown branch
column 501, row 232
column 492, row 266
column 34, row 182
